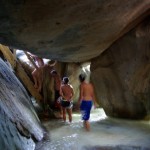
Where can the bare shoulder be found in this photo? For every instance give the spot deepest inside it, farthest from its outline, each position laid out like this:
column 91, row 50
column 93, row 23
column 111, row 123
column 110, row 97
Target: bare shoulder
column 62, row 86
column 91, row 84
column 82, row 85
column 71, row 86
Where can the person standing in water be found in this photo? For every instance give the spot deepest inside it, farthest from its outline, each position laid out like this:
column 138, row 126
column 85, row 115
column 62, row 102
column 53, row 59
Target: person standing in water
column 86, row 99
column 66, row 93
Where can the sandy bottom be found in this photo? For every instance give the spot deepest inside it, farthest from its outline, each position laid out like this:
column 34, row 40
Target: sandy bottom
column 106, row 134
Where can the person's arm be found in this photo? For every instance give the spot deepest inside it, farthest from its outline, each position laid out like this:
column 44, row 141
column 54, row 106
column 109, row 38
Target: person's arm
column 31, row 57
column 72, row 92
column 61, row 92
column 80, row 94
column 34, row 75
column 93, row 96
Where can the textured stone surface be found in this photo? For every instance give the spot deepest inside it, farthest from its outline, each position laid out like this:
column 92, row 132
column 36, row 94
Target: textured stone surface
column 121, row 75
column 19, row 125
column 70, row 31
column 77, row 31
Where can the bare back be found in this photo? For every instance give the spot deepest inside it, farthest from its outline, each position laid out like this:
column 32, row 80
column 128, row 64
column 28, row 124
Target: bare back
column 87, row 91
column 67, row 91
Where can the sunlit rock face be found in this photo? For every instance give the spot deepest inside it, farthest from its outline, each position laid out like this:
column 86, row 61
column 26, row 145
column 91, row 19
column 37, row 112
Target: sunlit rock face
column 122, row 75
column 20, row 127
column 70, row 30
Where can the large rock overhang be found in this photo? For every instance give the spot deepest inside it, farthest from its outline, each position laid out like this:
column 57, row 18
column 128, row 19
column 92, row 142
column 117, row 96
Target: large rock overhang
column 68, row 31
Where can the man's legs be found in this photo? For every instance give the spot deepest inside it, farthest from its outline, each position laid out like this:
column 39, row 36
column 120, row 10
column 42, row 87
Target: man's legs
column 69, row 111
column 86, row 125
column 64, row 114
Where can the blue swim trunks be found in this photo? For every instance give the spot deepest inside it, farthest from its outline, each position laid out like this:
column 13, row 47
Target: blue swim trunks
column 86, row 109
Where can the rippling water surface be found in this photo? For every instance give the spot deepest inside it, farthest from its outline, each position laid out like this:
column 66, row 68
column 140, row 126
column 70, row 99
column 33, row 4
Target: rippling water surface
column 104, row 132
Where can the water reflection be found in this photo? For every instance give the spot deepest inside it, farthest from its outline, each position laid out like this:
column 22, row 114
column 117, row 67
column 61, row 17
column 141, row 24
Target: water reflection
column 104, row 132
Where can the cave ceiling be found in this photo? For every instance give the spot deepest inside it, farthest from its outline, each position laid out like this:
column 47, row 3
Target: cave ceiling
column 68, row 30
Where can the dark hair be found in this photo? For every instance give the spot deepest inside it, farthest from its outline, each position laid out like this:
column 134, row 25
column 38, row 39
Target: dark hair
column 50, row 62
column 82, row 77
column 53, row 72
column 65, row 80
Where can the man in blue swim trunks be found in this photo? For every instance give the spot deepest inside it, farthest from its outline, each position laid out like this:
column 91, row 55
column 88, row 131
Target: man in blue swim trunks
column 86, row 100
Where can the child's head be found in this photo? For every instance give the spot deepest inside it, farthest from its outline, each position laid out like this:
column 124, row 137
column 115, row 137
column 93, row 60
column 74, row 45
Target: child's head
column 65, row 80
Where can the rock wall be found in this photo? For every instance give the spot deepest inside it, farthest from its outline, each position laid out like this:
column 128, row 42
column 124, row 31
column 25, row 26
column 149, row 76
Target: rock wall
column 20, row 127
column 70, row 30
column 122, row 75
column 76, row 31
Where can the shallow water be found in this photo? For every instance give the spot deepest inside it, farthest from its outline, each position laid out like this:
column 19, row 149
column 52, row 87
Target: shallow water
column 104, row 132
